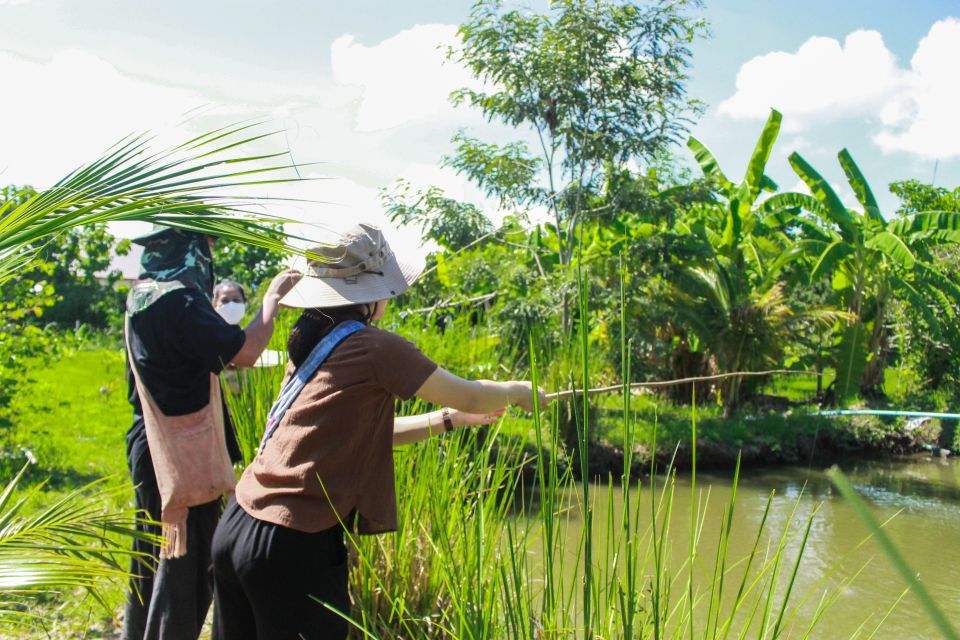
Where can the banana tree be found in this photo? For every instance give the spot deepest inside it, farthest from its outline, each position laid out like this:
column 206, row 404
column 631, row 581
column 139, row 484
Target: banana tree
column 733, row 301
column 738, row 228
column 871, row 260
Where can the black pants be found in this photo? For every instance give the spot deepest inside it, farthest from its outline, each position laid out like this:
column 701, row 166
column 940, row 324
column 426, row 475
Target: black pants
column 176, row 597
column 271, row 580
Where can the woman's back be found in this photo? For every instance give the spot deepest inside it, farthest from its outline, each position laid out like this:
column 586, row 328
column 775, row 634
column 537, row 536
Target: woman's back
column 333, row 450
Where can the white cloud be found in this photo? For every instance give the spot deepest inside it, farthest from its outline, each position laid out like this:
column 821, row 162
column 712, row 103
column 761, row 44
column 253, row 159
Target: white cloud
column 79, row 104
column 71, row 109
column 822, row 77
column 910, row 109
column 404, row 78
column 922, row 119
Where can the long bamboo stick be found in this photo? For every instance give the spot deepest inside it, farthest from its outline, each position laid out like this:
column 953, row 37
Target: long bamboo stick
column 559, row 395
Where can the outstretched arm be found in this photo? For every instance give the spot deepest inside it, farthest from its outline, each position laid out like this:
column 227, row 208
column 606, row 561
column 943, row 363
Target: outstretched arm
column 410, row 429
column 477, row 396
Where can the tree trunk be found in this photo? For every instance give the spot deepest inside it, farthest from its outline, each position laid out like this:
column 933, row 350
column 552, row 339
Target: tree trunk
column 871, row 382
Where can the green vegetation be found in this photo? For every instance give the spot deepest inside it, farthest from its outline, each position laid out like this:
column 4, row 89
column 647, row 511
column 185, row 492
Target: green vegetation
column 472, row 536
column 74, row 267
column 71, row 415
column 644, row 271
column 470, row 522
column 52, row 243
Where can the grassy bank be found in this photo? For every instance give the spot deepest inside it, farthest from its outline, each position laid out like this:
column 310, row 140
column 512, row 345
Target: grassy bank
column 71, row 417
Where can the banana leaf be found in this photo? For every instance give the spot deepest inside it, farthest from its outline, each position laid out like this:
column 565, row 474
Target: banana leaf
column 860, row 186
column 708, row 163
column 828, row 260
column 832, row 208
column 851, row 360
column 754, row 180
column 893, row 247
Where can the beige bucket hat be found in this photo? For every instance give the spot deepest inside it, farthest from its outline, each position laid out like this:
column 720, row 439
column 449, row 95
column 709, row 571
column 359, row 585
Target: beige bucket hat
column 359, row 268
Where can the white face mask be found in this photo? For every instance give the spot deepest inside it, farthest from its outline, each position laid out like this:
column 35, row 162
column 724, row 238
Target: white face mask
column 232, row 312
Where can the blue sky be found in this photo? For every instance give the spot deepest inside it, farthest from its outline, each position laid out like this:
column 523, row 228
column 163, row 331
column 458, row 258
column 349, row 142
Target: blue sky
column 360, row 86
column 745, row 29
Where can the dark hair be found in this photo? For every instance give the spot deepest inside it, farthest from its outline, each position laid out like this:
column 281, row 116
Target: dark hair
column 223, row 284
column 314, row 324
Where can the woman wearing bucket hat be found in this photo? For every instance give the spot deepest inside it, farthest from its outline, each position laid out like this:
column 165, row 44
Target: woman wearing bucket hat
column 326, row 456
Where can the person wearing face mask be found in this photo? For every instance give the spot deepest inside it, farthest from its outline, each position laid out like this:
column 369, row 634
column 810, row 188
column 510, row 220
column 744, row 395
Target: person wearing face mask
column 230, row 301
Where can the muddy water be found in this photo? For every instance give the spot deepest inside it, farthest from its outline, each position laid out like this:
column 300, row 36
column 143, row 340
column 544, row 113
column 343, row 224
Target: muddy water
column 921, row 493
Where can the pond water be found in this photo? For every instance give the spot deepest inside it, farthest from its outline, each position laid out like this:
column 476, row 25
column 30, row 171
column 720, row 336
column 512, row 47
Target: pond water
column 922, row 493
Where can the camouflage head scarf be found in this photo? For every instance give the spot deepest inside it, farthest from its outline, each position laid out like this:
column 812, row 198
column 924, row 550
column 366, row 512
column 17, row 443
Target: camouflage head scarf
column 171, row 260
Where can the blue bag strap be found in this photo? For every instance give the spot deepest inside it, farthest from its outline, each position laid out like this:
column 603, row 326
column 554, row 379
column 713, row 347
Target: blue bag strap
column 303, row 374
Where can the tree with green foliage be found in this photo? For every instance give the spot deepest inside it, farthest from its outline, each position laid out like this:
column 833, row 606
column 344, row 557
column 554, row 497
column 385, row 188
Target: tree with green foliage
column 450, row 223
column 933, row 351
column 598, row 84
column 75, row 264
column 733, row 301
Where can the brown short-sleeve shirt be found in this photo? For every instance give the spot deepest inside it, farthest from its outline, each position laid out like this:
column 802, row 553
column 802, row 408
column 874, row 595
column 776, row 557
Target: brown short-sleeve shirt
column 333, row 451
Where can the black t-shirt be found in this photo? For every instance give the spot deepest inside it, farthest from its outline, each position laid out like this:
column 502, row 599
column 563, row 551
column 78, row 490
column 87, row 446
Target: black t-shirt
column 177, row 342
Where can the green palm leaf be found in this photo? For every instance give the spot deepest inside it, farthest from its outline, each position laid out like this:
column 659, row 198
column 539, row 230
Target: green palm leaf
column 184, row 186
column 69, row 544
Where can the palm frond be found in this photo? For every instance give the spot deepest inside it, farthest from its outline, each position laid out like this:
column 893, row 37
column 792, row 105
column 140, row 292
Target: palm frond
column 69, row 544
column 186, row 186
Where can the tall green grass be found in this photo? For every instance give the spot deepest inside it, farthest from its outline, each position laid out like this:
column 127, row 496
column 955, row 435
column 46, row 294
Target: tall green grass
column 497, row 538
